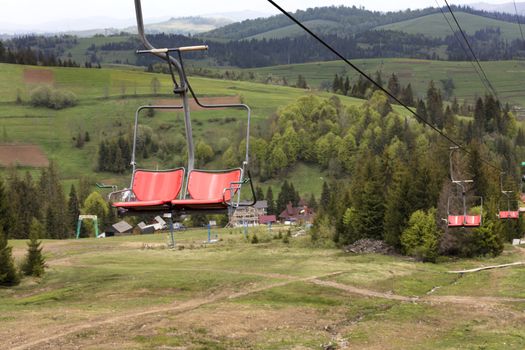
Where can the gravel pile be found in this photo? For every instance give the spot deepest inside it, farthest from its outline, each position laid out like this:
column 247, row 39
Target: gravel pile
column 367, row 246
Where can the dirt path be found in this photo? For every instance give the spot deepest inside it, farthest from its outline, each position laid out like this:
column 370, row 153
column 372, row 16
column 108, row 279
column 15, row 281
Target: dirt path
column 179, row 308
column 361, row 291
column 287, row 279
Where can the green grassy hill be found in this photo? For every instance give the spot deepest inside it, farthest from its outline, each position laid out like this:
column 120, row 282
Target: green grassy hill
column 506, row 76
column 293, row 30
column 434, row 25
column 108, row 99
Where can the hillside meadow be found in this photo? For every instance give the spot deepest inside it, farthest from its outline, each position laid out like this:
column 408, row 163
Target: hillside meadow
column 107, row 100
column 506, row 76
column 134, row 293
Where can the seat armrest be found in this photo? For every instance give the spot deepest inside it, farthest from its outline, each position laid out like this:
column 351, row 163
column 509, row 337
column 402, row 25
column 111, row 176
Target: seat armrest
column 125, row 195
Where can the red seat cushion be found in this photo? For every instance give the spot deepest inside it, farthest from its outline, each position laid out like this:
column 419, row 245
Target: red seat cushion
column 455, row 220
column 215, row 203
column 207, row 189
column 139, row 204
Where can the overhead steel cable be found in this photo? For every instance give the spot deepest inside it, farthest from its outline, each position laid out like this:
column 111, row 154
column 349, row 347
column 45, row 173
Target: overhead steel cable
column 519, row 22
column 476, row 69
column 366, row 76
column 494, row 92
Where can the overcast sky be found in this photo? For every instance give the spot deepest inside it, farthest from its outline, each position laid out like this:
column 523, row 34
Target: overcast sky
column 33, row 13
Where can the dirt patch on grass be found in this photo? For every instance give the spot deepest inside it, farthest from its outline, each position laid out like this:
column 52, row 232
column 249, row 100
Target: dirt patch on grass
column 204, row 100
column 23, row 155
column 39, row 76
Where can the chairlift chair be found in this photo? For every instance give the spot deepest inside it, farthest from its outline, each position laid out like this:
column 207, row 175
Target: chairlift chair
column 464, row 218
column 508, row 214
column 168, row 191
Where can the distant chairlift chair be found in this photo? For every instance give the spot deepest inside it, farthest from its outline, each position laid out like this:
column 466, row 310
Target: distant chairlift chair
column 463, row 219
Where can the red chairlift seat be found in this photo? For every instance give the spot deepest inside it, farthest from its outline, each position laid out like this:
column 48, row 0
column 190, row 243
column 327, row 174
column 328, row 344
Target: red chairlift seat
column 153, row 190
column 210, row 189
column 509, row 215
column 472, row 221
column 464, row 220
column 455, row 220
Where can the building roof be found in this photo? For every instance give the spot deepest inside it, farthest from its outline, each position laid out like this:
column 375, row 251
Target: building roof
column 266, row 219
column 261, row 205
column 122, row 227
column 292, row 213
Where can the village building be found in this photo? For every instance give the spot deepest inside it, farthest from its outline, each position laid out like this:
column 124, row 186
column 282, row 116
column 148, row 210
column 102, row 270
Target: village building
column 249, row 216
column 301, row 214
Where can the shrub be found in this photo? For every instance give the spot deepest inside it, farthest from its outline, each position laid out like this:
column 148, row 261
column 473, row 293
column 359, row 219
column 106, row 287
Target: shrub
column 255, row 240
column 45, row 96
column 421, row 238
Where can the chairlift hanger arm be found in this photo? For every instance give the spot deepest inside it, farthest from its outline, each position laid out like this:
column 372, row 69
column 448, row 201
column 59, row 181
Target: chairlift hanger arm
column 176, row 49
column 152, row 49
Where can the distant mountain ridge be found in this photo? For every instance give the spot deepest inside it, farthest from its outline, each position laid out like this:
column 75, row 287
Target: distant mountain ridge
column 506, row 8
column 87, row 27
column 346, row 21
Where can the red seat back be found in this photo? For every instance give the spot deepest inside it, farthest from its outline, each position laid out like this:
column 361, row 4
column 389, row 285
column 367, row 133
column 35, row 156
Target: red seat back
column 157, row 185
column 473, row 220
column 205, row 185
column 455, row 220
column 509, row 214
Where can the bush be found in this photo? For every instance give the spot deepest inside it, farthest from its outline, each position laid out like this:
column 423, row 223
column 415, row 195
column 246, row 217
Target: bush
column 421, row 238
column 45, row 96
column 255, row 240
column 483, row 241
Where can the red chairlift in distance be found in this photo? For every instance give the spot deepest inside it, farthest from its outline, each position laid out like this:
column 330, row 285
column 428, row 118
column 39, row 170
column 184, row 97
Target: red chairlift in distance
column 463, row 219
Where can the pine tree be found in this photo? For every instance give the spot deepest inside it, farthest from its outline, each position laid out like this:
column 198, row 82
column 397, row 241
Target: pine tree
column 325, row 196
column 407, row 96
column 421, row 109
column 312, row 203
column 301, row 82
column 8, row 273
column 259, row 193
column 398, row 208
column 73, row 206
column 5, row 210
column 435, row 106
column 283, row 198
column 346, row 88
column 269, row 199
column 479, row 118
column 34, row 263
column 393, row 86
column 378, row 79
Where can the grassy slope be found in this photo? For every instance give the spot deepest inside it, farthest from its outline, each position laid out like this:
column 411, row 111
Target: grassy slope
column 293, row 30
column 436, row 26
column 506, row 76
column 78, row 52
column 126, row 90
column 183, row 297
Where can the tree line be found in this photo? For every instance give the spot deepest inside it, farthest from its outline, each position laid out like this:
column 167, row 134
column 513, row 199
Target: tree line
column 25, row 200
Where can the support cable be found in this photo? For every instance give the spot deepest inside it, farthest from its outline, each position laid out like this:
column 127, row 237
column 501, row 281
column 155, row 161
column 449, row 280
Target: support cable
column 476, row 69
column 494, row 92
column 519, row 22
